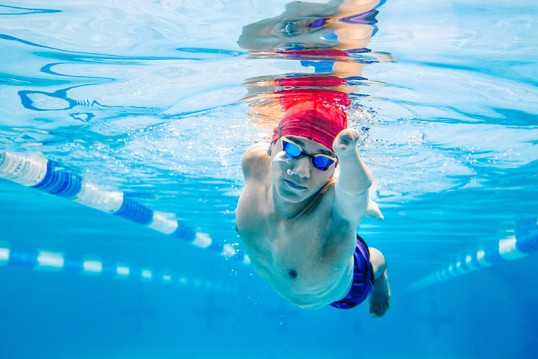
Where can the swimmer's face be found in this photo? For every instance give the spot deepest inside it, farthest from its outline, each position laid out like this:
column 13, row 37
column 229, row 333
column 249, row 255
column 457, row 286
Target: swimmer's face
column 296, row 180
column 299, row 26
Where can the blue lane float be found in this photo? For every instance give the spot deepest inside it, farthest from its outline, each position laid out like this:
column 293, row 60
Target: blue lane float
column 44, row 260
column 522, row 244
column 35, row 171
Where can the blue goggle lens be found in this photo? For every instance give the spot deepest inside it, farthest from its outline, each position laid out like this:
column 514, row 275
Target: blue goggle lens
column 291, row 149
column 320, row 161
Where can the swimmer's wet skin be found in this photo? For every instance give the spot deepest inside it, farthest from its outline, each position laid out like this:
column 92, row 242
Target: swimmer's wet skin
column 298, row 220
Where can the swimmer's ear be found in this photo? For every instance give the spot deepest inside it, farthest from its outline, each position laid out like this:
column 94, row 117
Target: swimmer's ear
column 269, row 148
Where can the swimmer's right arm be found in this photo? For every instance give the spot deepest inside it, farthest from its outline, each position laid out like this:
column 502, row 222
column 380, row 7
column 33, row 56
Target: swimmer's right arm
column 255, row 163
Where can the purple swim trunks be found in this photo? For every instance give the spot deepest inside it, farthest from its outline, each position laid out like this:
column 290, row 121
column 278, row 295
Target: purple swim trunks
column 363, row 278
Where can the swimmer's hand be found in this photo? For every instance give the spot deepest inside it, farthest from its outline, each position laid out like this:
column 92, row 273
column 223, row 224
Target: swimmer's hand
column 345, row 143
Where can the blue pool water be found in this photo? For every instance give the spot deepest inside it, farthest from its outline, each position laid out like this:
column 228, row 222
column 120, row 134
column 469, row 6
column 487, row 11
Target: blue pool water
column 148, row 99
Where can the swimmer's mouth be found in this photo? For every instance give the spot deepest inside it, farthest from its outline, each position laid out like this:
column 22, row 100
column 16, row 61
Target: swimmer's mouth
column 294, row 185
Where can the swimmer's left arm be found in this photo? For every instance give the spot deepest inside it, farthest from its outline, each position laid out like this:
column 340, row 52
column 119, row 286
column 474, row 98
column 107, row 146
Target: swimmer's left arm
column 354, row 179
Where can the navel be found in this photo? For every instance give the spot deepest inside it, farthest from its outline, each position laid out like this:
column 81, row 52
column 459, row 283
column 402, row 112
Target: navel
column 292, row 273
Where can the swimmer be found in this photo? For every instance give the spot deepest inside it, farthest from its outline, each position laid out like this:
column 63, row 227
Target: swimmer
column 297, row 217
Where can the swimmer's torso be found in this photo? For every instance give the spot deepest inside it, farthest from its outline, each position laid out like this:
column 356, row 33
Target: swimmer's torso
column 307, row 259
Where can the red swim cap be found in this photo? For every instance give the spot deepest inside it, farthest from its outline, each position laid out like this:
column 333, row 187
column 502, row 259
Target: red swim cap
column 316, row 120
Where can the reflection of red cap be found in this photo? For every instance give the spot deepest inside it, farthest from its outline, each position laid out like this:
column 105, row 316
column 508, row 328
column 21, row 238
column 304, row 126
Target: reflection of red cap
column 316, row 120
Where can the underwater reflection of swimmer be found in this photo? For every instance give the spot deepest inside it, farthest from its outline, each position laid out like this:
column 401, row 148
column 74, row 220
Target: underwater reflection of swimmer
column 307, row 190
column 323, row 40
column 339, row 25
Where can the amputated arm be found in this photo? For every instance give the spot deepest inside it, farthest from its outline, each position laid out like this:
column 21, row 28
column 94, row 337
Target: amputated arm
column 354, row 178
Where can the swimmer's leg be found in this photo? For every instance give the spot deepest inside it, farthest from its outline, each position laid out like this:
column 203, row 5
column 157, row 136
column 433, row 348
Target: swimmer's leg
column 379, row 298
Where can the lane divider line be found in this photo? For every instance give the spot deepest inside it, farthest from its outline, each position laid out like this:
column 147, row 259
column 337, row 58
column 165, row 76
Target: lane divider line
column 33, row 170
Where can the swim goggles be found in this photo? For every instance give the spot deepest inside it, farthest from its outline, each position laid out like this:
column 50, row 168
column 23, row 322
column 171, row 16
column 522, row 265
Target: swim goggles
column 320, row 160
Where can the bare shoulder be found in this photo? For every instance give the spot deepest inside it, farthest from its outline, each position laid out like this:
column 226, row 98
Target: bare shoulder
column 253, row 200
column 255, row 162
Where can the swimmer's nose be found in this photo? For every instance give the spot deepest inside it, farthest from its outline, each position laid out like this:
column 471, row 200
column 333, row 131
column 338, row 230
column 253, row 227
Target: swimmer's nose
column 302, row 167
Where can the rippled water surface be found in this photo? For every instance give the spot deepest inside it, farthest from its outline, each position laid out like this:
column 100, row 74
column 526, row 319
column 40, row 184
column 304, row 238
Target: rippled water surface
column 148, row 98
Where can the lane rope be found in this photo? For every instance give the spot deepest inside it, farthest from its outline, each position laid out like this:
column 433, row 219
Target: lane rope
column 43, row 260
column 35, row 171
column 522, row 244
